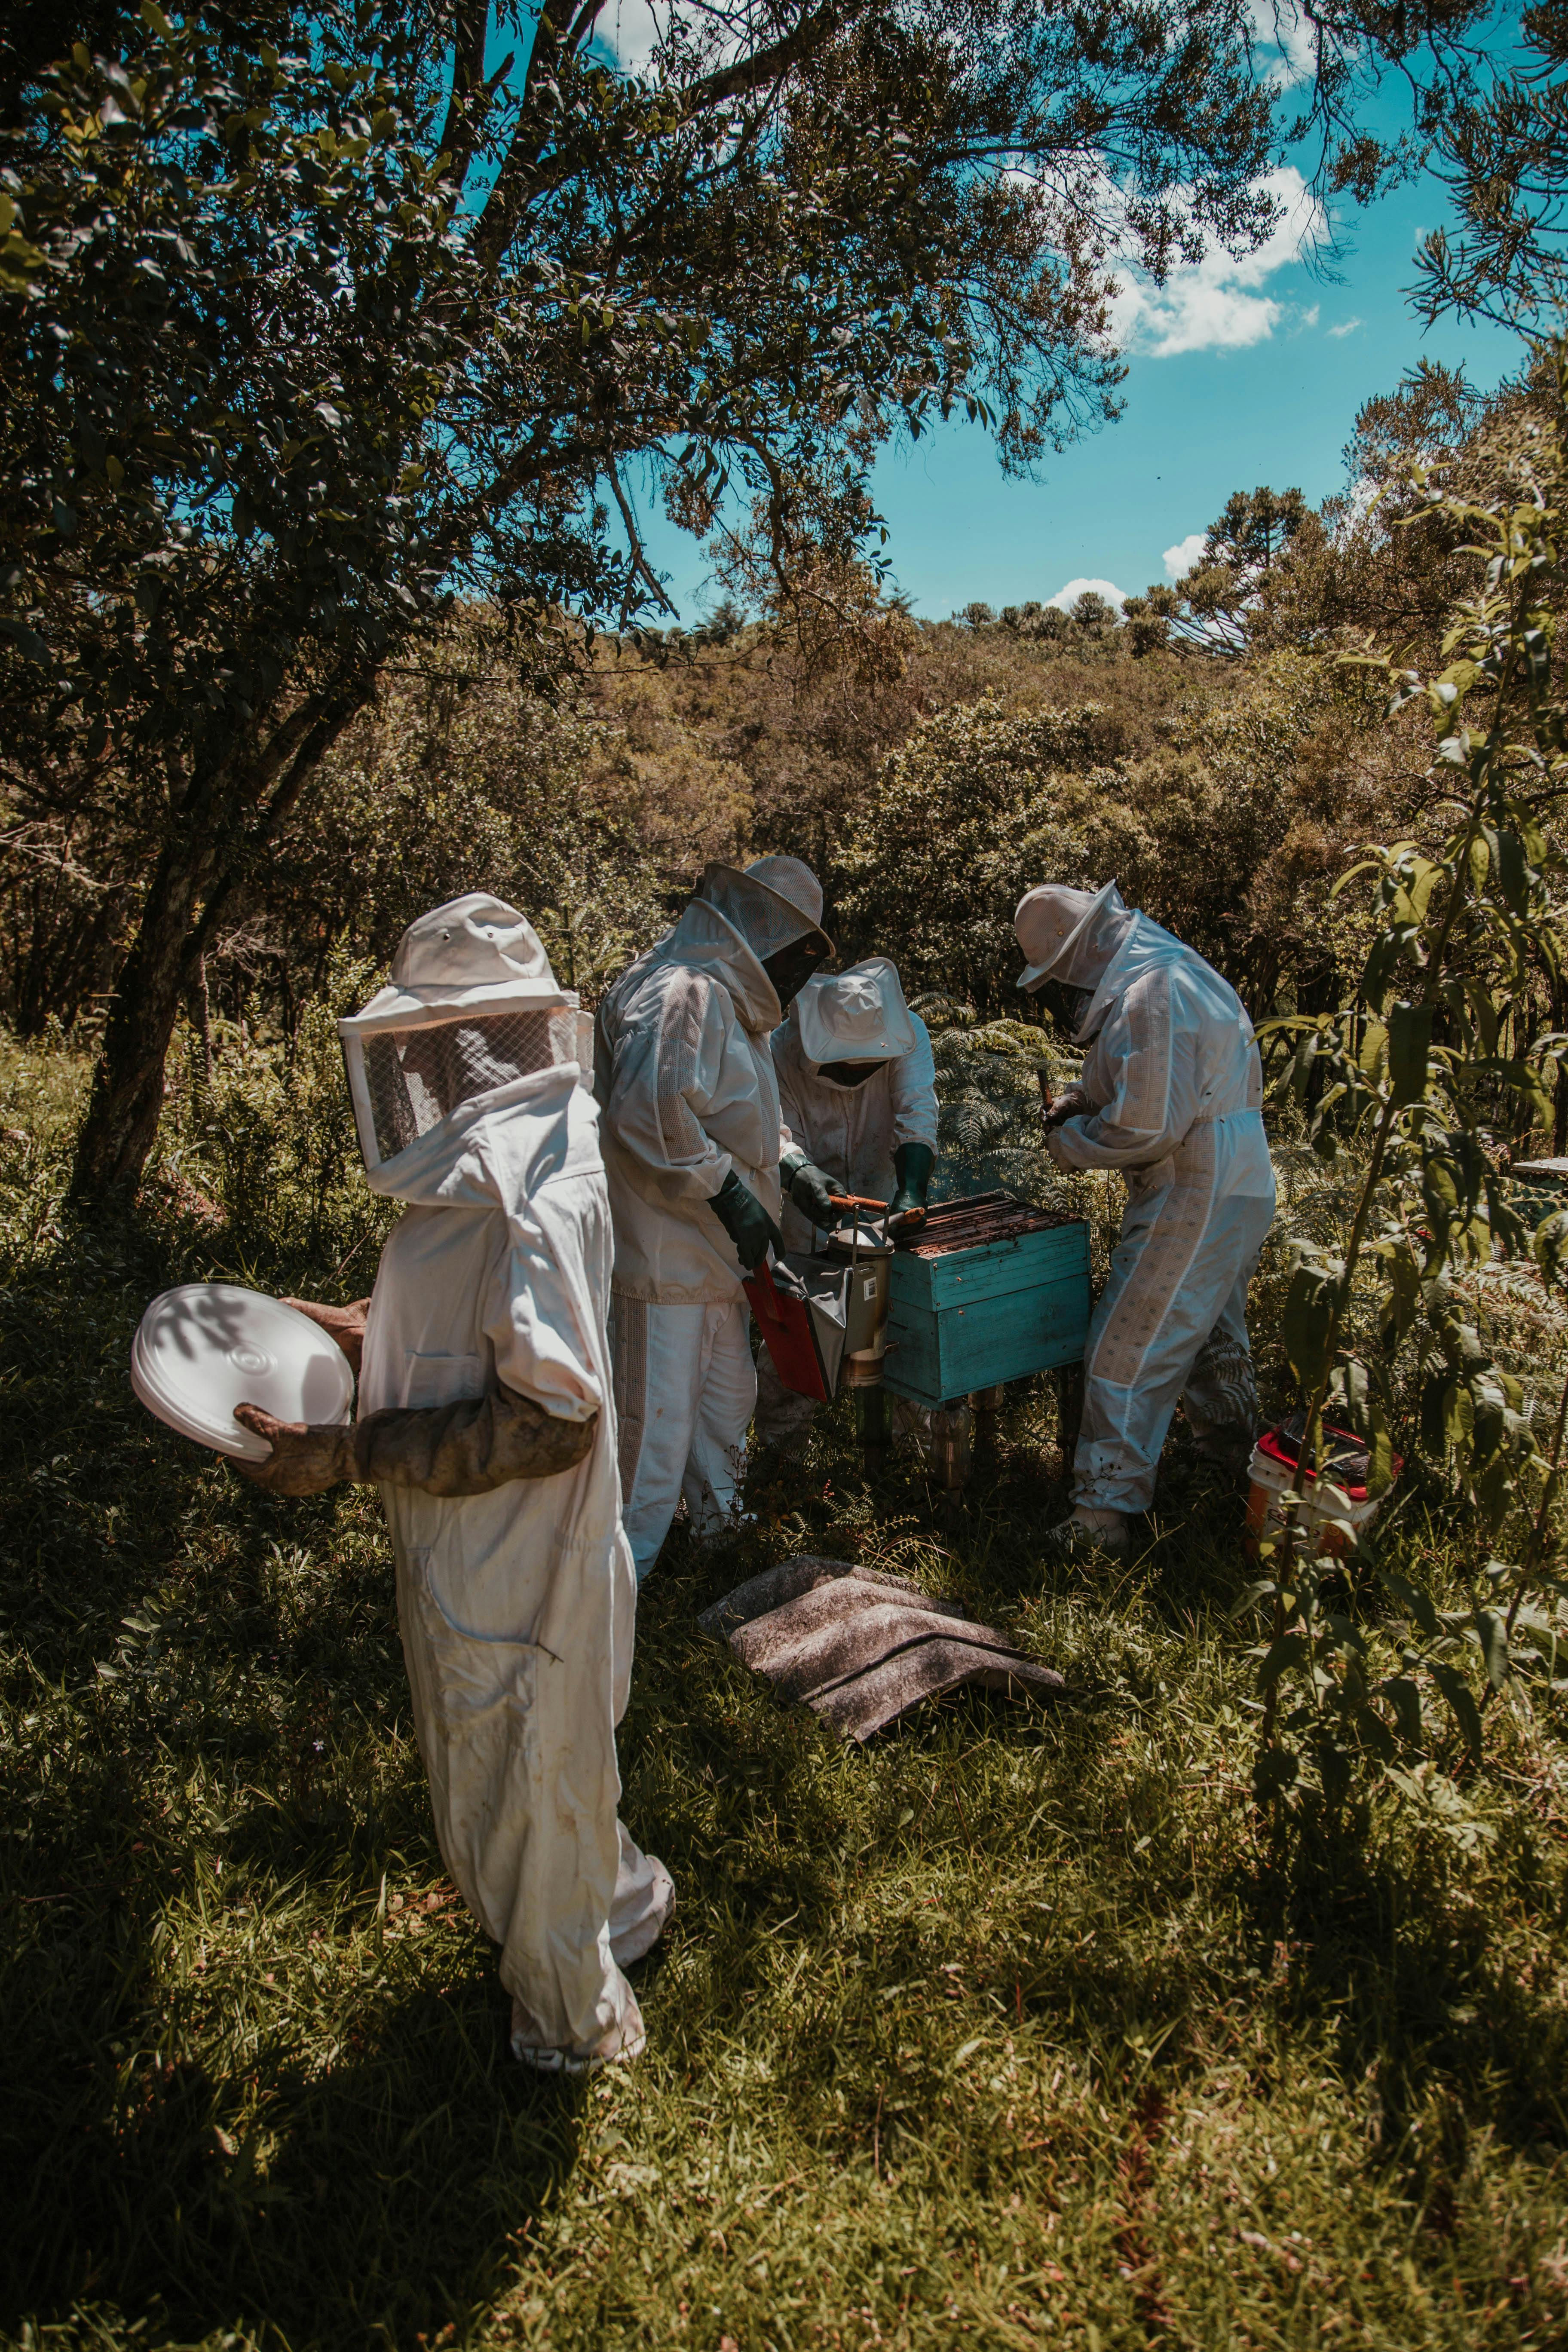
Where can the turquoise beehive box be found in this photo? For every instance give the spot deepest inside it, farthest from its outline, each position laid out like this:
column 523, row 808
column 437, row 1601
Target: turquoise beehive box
column 990, row 1291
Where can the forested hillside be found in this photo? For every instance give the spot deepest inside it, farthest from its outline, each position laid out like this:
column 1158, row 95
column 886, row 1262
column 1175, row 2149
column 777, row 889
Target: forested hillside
column 1219, row 752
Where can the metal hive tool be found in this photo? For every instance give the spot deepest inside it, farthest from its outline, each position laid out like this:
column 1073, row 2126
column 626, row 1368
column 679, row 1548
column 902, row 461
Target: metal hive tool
column 860, row 1648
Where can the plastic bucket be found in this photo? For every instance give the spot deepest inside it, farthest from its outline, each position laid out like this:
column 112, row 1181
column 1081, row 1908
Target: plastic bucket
column 1272, row 1474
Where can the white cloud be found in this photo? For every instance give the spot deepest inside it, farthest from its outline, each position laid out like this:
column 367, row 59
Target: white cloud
column 1068, row 597
column 1306, row 319
column 630, row 29
column 1348, row 327
column 1179, row 559
column 1218, row 303
column 1283, row 26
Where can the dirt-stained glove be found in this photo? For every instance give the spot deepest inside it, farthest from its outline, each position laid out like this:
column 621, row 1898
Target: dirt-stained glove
column 343, row 1324
column 912, row 1165
column 745, row 1221
column 305, row 1459
column 467, row 1448
column 1071, row 1103
column 813, row 1191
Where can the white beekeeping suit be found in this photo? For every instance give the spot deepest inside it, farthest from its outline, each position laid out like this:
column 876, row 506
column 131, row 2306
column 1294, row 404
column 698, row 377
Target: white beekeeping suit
column 487, row 1418
column 857, row 1100
column 685, row 1079
column 1171, row 1095
column 856, row 1083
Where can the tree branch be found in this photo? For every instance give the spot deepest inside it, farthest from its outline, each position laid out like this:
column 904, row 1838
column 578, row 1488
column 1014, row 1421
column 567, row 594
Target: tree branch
column 559, row 32
column 471, row 25
column 513, row 182
column 639, row 561
column 324, row 722
column 769, row 64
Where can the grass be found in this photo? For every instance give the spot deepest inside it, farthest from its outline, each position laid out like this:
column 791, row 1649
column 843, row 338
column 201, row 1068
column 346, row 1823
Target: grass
column 1012, row 2028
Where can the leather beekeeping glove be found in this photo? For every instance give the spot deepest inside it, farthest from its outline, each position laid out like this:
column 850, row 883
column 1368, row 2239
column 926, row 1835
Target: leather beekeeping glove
column 343, row 1324
column 1071, row 1103
column 469, row 1447
column 745, row 1221
column 814, row 1192
column 912, row 1165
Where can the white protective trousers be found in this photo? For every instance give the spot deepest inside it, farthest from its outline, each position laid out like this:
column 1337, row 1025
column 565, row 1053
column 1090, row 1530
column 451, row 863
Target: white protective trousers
column 1173, row 1070
column 518, row 1607
column 1171, row 1325
column 686, row 1389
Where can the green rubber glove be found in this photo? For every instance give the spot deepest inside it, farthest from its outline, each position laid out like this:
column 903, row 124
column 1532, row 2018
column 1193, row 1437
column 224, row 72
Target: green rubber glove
column 912, row 1165
column 745, row 1221
column 811, row 1192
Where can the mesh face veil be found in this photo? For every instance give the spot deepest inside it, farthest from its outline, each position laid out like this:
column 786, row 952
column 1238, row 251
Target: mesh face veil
column 768, row 919
column 472, row 1006
column 414, row 1078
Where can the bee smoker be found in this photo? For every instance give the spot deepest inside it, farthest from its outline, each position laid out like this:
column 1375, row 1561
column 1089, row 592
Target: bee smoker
column 870, row 1256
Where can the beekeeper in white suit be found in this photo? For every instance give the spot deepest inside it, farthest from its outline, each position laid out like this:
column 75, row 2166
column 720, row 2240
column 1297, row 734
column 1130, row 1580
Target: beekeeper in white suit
column 1171, row 1093
column 857, row 1100
column 486, row 1418
column 685, row 1079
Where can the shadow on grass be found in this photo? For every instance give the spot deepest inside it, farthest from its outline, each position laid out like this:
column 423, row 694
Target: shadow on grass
column 1414, row 1976
column 223, row 2102
column 377, row 2200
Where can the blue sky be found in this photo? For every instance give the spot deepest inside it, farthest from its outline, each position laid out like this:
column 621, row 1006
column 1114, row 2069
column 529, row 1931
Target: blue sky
column 1204, row 416
column 1240, row 373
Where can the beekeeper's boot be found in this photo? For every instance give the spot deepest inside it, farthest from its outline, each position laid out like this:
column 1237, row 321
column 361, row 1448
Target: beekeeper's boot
column 1088, row 1530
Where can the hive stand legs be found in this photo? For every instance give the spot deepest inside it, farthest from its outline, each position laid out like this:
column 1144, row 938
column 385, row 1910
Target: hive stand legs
column 873, row 1426
column 953, row 1445
column 986, row 1404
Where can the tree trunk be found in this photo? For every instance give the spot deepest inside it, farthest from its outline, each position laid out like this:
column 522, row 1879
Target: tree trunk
column 204, row 1020
column 209, row 851
column 127, row 1098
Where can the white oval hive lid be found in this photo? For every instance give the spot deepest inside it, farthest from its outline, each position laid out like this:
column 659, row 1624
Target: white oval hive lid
column 208, row 1345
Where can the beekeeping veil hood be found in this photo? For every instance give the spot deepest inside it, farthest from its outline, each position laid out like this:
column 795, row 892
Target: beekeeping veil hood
column 472, row 1005
column 1070, row 935
column 774, row 903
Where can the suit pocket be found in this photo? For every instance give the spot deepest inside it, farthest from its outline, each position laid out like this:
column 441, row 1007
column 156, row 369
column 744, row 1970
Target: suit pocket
column 475, row 1680
column 431, row 1380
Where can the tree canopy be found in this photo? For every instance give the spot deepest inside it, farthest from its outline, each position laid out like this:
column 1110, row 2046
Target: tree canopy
column 315, row 323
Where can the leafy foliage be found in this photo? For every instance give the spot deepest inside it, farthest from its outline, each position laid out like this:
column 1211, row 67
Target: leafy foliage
column 1436, row 1046
column 1218, row 597
column 1503, row 150
column 1225, row 820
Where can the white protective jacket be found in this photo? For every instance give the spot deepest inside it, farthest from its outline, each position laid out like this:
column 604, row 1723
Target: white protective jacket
column 518, row 1606
column 685, row 1080
column 1171, row 1049
column 1173, row 1067
column 852, row 1132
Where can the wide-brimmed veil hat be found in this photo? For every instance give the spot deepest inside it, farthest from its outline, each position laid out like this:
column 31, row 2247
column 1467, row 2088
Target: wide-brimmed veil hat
column 472, row 1006
column 858, row 1015
column 473, row 954
column 1054, row 921
column 772, row 902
